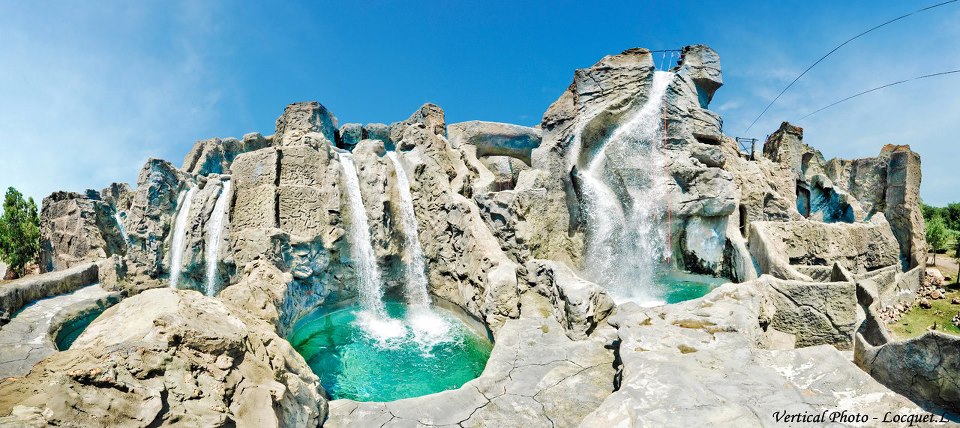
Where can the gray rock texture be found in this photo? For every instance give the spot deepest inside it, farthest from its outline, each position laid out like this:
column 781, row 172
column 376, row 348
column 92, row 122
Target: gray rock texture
column 181, row 358
column 816, row 249
column 496, row 139
column 214, row 156
column 77, row 228
column 704, row 362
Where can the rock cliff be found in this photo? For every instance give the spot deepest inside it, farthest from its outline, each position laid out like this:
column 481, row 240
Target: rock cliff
column 628, row 172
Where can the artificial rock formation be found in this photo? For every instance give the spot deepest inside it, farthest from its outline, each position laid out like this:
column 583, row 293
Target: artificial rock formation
column 502, row 213
column 76, row 229
column 181, row 358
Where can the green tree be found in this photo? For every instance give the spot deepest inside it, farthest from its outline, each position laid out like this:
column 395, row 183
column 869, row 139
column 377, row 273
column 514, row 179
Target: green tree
column 937, row 235
column 951, row 216
column 19, row 232
column 929, row 211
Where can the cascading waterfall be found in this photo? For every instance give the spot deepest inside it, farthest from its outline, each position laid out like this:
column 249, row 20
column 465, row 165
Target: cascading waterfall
column 416, row 276
column 121, row 227
column 178, row 243
column 214, row 237
column 374, row 317
column 626, row 239
column 428, row 328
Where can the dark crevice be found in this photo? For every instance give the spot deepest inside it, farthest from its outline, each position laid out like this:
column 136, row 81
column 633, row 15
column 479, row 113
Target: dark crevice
column 276, row 196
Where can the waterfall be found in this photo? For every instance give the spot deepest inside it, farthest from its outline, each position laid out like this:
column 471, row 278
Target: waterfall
column 178, row 243
column 428, row 328
column 361, row 251
column 415, row 268
column 121, row 227
column 214, row 237
column 626, row 231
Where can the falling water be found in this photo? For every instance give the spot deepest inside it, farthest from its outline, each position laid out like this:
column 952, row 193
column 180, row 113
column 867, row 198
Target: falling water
column 214, row 237
column 178, row 244
column 626, row 240
column 121, row 227
column 428, row 328
column 361, row 251
column 416, row 276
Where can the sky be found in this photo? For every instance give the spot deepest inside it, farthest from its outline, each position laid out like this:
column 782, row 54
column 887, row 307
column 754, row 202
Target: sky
column 90, row 90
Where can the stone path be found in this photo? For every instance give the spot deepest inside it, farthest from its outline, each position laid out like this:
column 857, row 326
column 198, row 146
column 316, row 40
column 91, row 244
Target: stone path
column 26, row 340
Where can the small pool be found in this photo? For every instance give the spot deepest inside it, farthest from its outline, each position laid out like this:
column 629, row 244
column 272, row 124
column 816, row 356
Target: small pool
column 680, row 286
column 411, row 353
column 672, row 286
column 71, row 330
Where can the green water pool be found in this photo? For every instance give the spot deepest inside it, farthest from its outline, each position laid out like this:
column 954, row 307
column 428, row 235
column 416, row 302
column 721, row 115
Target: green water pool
column 404, row 357
column 678, row 286
column 71, row 330
column 670, row 286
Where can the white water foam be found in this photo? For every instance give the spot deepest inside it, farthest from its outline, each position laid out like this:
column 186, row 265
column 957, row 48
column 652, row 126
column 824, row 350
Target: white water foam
column 626, row 231
column 121, row 227
column 369, row 282
column 214, row 237
column 178, row 243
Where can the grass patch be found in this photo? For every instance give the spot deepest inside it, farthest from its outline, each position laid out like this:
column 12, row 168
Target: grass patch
column 917, row 320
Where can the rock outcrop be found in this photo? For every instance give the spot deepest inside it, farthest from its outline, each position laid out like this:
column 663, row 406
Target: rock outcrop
column 77, row 228
column 181, row 358
column 215, row 156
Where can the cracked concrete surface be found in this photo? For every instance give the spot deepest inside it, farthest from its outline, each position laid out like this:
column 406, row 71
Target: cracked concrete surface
column 530, row 379
column 704, row 363
column 26, row 339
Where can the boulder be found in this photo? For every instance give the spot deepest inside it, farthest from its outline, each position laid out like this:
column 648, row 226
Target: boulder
column 300, row 119
column 215, row 156
column 429, row 115
column 350, row 135
column 703, row 65
column 181, row 358
column 779, row 247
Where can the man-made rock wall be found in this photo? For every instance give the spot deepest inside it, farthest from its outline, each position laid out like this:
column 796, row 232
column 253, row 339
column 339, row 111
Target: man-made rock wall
column 784, row 249
column 214, row 156
column 77, row 229
column 150, row 218
column 855, row 190
column 18, row 293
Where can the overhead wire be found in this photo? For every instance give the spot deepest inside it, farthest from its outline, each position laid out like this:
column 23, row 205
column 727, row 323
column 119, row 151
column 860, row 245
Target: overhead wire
column 879, row 88
column 838, row 48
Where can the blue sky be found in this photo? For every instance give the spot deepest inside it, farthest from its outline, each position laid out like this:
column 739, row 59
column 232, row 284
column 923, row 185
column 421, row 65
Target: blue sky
column 89, row 91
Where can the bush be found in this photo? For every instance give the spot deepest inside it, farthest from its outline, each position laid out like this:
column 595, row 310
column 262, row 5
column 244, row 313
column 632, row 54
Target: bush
column 19, row 232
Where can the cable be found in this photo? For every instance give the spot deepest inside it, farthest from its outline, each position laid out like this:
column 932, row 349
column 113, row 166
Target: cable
column 834, row 50
column 879, row 88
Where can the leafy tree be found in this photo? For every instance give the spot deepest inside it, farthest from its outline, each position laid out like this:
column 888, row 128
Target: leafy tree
column 937, row 235
column 19, row 232
column 951, row 216
column 929, row 212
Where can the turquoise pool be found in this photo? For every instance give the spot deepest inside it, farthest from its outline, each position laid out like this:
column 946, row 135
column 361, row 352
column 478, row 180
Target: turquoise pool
column 404, row 356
